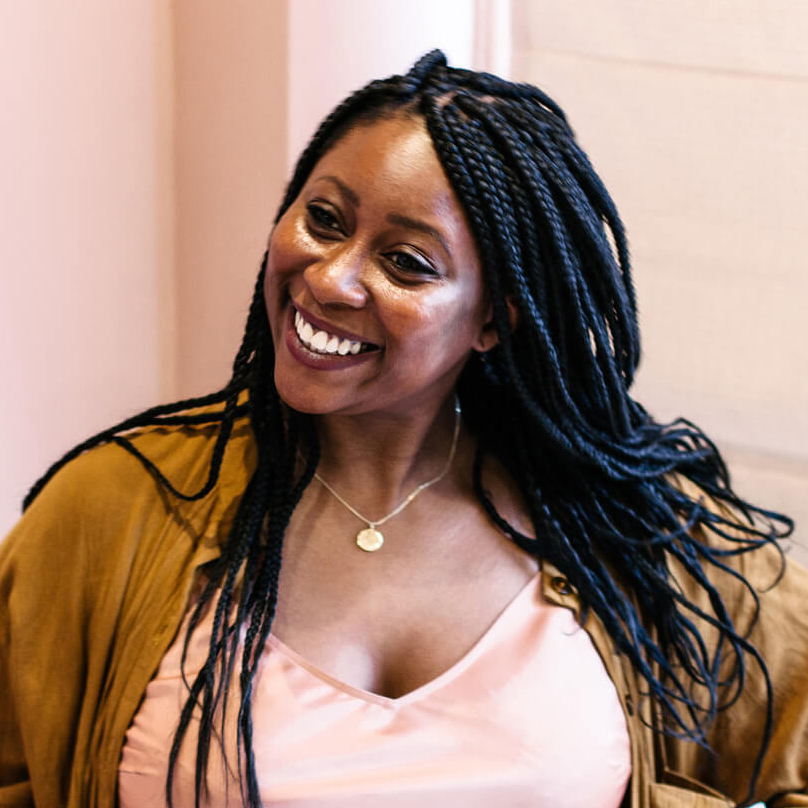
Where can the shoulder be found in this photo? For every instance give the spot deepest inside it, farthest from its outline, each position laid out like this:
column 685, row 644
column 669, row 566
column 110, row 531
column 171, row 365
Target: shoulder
column 106, row 492
column 182, row 453
column 750, row 555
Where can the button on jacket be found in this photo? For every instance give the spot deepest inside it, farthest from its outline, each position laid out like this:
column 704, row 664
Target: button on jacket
column 95, row 580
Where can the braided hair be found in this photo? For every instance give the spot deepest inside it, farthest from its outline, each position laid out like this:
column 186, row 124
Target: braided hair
column 601, row 478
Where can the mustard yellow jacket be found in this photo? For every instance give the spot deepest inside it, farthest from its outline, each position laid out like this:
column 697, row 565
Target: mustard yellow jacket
column 95, row 579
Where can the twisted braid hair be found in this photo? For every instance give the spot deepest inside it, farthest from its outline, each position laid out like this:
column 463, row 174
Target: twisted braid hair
column 551, row 401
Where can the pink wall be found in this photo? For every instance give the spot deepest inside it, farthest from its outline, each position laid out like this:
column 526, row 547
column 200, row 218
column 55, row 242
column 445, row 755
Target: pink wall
column 230, row 153
column 253, row 80
column 146, row 147
column 335, row 48
column 696, row 120
column 86, row 200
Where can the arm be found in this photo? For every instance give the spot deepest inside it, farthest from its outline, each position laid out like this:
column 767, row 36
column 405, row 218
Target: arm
column 781, row 637
column 42, row 615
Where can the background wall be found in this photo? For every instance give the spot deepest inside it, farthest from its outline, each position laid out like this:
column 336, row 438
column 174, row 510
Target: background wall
column 252, row 81
column 145, row 150
column 231, row 117
column 695, row 114
column 146, row 146
column 86, row 256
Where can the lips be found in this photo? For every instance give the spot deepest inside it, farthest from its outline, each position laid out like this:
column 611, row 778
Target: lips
column 317, row 344
column 323, row 341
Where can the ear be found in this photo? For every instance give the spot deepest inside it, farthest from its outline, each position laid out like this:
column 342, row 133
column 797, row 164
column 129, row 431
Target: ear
column 488, row 336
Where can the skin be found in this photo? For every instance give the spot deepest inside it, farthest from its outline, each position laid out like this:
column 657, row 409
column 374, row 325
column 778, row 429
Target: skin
column 377, row 247
column 342, row 254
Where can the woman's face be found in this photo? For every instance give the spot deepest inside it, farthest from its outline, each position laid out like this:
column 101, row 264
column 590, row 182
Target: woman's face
column 374, row 289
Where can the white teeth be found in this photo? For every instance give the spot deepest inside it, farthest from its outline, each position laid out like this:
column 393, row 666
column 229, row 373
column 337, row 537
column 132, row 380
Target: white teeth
column 323, row 342
column 319, row 340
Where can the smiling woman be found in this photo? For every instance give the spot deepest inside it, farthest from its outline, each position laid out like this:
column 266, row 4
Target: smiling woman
column 375, row 250
column 442, row 340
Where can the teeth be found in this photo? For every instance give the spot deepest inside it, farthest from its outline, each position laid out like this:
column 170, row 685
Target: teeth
column 323, row 342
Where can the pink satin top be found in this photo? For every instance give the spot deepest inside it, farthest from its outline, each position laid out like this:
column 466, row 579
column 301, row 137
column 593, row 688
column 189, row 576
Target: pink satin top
column 527, row 717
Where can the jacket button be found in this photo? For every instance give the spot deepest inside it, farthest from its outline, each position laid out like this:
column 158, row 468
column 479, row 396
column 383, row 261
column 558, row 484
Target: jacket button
column 561, row 585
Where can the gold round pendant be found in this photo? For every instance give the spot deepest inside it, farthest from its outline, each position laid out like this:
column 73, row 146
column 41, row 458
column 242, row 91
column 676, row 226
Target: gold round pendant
column 369, row 539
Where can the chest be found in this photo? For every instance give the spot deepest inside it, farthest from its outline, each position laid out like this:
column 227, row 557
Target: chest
column 390, row 636
column 391, row 621
column 522, row 716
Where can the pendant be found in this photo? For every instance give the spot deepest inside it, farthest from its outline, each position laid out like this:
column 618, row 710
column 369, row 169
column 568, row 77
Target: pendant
column 369, row 539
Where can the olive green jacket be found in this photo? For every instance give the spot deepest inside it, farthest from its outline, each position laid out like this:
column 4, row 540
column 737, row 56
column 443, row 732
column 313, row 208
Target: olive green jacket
column 95, row 579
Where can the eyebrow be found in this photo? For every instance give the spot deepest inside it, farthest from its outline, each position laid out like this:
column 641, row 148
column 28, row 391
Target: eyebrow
column 415, row 224
column 346, row 190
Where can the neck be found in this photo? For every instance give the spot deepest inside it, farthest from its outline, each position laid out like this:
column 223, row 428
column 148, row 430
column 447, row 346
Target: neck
column 375, row 460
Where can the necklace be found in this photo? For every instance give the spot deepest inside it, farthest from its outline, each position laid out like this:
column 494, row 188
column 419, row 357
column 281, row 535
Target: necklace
column 370, row 538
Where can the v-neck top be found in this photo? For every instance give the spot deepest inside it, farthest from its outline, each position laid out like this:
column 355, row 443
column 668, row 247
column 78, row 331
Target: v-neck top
column 527, row 717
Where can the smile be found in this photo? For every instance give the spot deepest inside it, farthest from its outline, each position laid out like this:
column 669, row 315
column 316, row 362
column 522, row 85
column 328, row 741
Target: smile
column 321, row 342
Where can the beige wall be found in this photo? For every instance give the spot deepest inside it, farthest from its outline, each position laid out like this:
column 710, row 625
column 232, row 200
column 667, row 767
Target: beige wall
column 695, row 115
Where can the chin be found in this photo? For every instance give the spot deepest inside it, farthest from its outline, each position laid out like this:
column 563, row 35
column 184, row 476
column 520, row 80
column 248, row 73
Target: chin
column 303, row 399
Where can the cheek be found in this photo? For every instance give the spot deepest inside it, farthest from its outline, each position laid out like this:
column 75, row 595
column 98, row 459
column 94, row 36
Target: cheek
column 269, row 290
column 284, row 257
column 290, row 245
column 280, row 251
column 271, row 280
column 442, row 325
column 280, row 261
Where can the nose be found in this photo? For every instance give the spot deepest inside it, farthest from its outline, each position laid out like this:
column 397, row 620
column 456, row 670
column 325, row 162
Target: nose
column 338, row 278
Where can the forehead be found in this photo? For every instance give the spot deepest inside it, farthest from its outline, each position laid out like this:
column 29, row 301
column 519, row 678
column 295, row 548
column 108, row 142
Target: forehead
column 391, row 160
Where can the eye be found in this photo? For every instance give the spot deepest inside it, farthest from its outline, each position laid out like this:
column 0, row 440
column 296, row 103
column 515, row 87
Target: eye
column 322, row 219
column 408, row 264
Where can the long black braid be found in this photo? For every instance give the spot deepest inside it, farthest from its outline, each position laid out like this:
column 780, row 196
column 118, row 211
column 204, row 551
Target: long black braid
column 550, row 401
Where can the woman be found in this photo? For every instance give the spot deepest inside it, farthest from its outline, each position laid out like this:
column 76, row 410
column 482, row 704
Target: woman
column 358, row 574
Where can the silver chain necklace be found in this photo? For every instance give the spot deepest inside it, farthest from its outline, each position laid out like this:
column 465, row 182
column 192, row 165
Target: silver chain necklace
column 370, row 538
